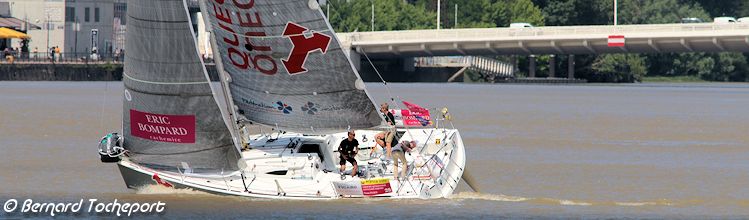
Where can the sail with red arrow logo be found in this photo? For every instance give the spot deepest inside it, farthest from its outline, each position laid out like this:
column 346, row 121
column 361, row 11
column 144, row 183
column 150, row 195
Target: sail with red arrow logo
column 285, row 67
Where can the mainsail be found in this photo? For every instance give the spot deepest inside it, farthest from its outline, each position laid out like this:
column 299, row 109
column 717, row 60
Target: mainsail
column 170, row 116
column 286, row 67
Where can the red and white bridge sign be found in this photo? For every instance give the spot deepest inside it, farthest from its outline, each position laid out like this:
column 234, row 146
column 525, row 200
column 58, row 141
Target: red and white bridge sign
column 616, row 40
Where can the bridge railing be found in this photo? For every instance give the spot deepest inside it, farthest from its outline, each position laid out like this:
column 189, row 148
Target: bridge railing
column 484, row 65
column 441, row 35
column 15, row 57
column 443, row 61
column 43, row 57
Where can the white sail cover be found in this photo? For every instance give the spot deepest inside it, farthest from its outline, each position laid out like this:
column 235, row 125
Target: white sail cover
column 170, row 117
column 286, row 66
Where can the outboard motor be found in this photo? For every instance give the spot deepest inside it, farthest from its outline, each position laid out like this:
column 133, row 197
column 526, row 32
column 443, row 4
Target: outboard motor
column 110, row 148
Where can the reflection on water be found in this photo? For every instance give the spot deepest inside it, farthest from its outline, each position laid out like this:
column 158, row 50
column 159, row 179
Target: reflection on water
column 648, row 150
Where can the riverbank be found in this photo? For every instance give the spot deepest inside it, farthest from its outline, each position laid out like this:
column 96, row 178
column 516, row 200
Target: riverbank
column 673, row 79
column 70, row 72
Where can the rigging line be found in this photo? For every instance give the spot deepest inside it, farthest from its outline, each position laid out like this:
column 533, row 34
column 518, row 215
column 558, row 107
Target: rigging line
column 162, row 83
column 387, row 88
column 103, row 104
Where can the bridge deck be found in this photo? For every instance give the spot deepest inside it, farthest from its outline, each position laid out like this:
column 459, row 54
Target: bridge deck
column 659, row 38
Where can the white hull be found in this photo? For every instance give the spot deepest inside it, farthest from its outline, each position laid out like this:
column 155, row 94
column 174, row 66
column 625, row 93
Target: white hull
column 281, row 169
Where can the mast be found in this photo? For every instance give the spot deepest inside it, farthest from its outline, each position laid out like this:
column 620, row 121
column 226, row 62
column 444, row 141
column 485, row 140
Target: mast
column 223, row 80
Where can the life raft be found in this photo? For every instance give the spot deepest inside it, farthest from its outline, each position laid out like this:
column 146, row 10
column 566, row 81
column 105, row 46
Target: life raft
column 110, row 148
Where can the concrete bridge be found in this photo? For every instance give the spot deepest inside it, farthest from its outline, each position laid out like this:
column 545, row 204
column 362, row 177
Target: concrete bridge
column 658, row 38
column 566, row 40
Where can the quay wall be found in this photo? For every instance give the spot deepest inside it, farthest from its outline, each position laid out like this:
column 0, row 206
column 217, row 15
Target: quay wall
column 69, row 72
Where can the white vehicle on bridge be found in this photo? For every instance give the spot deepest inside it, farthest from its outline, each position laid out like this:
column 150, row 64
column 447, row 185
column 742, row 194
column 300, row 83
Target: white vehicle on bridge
column 691, row 20
column 521, row 25
column 724, row 20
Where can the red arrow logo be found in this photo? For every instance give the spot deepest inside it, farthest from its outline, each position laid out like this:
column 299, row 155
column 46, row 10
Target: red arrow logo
column 302, row 47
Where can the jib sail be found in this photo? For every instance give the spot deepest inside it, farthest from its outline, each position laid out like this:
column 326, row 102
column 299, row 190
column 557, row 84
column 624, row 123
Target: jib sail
column 170, row 116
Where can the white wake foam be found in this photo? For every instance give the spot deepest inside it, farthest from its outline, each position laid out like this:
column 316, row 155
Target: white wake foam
column 159, row 190
column 570, row 202
column 551, row 201
column 489, row 197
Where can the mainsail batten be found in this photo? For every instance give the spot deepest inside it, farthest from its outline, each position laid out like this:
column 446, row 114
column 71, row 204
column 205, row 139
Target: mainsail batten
column 286, row 66
column 170, row 115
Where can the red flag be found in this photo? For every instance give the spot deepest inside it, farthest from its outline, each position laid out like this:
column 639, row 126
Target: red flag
column 416, row 108
column 420, row 114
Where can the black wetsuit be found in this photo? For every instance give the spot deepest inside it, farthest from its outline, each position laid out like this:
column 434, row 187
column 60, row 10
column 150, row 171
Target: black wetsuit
column 348, row 148
column 389, row 118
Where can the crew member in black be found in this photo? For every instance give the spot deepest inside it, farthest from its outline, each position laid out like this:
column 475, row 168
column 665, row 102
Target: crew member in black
column 348, row 149
column 389, row 118
column 385, row 138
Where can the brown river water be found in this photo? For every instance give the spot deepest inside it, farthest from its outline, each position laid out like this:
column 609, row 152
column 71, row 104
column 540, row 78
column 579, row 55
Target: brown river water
column 537, row 151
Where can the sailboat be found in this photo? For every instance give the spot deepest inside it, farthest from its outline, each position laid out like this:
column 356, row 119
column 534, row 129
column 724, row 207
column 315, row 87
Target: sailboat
column 280, row 67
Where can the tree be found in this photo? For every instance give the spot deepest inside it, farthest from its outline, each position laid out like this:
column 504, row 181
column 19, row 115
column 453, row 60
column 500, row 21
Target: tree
column 619, row 68
column 559, row 13
column 524, row 11
column 471, row 14
column 684, row 64
column 350, row 16
column 729, row 67
column 724, row 8
column 658, row 11
column 498, row 14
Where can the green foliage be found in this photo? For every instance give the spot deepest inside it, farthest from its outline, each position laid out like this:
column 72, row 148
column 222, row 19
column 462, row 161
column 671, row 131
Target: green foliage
column 497, row 14
column 619, row 68
column 560, row 12
column 690, row 64
column 658, row 11
column 729, row 67
column 356, row 15
column 471, row 14
column 524, row 11
column 673, row 79
column 485, row 13
column 577, row 12
column 110, row 67
column 473, row 76
column 732, row 8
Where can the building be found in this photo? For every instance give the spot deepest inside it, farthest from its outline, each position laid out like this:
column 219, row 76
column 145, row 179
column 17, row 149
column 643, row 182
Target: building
column 13, row 29
column 76, row 26
column 120, row 20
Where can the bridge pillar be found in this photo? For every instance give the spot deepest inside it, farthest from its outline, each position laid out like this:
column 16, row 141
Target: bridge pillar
column 532, row 66
column 355, row 58
column 409, row 64
column 515, row 67
column 552, row 66
column 571, row 66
